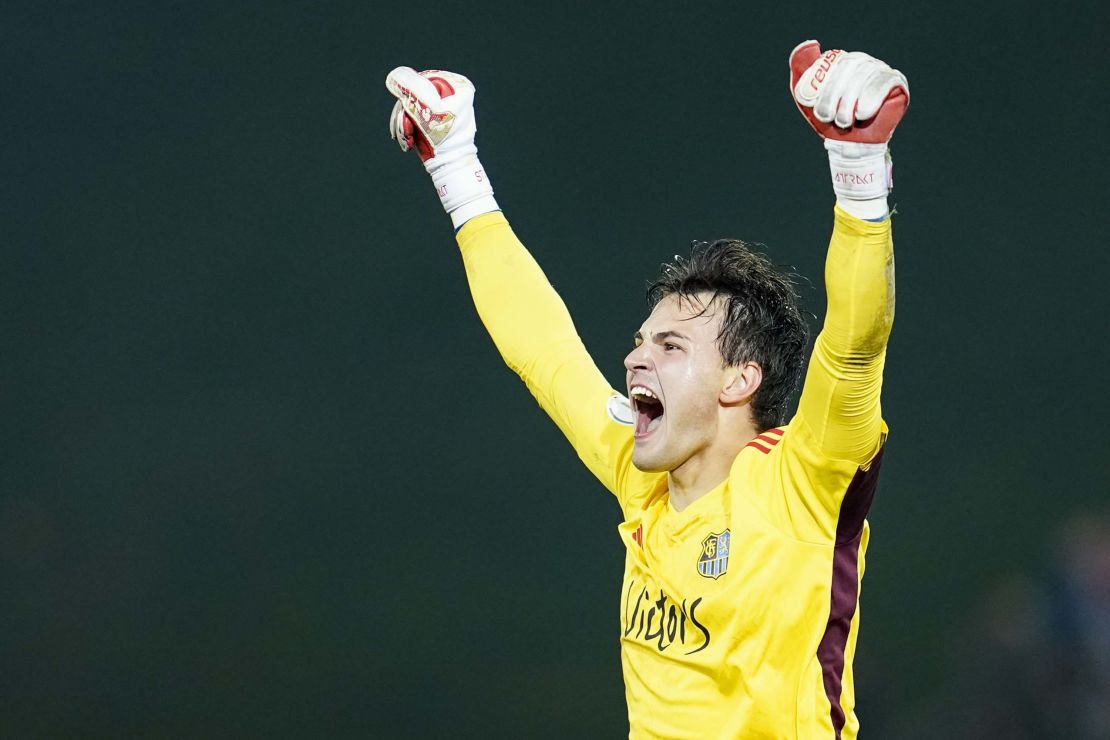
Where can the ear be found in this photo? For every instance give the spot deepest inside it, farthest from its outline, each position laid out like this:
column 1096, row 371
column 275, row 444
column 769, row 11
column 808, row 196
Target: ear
column 740, row 383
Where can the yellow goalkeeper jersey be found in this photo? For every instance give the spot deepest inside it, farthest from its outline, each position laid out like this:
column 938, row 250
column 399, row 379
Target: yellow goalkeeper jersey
column 739, row 614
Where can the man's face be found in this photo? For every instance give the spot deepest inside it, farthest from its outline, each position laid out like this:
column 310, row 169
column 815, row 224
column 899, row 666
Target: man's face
column 675, row 375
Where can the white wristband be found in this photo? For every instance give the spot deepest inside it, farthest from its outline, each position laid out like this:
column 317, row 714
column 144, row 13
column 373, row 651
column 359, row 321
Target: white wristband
column 859, row 171
column 459, row 182
column 462, row 214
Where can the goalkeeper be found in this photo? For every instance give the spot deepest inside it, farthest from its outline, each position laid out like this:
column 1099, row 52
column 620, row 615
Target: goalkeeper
column 744, row 535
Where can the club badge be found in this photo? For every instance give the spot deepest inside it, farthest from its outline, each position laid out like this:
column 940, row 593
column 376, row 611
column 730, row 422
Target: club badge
column 713, row 562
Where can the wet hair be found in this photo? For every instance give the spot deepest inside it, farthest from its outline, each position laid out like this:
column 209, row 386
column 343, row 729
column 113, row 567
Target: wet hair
column 762, row 322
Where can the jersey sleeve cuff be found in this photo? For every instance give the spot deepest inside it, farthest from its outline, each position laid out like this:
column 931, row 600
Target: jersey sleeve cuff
column 845, row 222
column 470, row 230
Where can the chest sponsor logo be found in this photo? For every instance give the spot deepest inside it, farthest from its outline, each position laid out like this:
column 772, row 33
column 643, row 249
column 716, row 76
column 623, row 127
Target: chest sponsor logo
column 662, row 622
column 713, row 561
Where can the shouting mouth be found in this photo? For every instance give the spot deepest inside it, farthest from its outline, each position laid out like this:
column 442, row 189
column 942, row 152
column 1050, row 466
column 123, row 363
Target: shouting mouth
column 648, row 410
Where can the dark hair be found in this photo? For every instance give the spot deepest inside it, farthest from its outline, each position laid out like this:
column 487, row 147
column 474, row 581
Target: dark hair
column 762, row 322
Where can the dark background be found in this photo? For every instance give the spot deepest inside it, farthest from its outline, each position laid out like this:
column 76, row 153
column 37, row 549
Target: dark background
column 262, row 473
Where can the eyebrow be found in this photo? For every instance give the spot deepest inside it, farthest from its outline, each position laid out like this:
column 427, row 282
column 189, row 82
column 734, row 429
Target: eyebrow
column 659, row 336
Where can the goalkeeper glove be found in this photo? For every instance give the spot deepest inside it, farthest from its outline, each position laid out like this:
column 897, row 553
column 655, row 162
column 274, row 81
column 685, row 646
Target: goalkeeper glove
column 434, row 114
column 854, row 102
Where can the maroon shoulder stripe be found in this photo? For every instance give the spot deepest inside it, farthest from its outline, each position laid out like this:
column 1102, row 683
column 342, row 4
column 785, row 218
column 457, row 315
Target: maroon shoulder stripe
column 761, row 448
column 769, row 440
column 845, row 585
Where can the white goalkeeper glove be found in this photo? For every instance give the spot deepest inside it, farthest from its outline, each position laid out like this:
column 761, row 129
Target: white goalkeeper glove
column 434, row 114
column 854, row 102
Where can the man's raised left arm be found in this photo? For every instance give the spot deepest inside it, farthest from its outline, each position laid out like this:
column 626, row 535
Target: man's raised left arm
column 854, row 102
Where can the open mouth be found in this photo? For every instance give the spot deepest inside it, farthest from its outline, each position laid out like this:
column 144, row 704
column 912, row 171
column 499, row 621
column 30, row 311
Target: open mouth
column 648, row 409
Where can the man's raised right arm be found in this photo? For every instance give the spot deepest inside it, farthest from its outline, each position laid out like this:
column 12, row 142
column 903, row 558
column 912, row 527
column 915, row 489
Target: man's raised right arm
column 525, row 317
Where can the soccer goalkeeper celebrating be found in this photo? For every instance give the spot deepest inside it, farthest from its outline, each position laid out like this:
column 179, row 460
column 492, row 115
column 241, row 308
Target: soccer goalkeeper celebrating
column 745, row 535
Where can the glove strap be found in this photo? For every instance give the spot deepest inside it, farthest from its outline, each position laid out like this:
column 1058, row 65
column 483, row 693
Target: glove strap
column 462, row 187
column 862, row 175
column 860, row 171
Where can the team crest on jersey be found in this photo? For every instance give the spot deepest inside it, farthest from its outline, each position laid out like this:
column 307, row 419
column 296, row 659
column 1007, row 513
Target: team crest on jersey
column 713, row 562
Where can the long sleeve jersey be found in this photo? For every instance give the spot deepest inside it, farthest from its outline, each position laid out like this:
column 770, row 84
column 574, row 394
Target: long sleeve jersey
column 739, row 614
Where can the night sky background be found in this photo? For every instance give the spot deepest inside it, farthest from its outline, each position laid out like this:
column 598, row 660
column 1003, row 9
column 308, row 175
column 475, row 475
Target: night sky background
column 262, row 472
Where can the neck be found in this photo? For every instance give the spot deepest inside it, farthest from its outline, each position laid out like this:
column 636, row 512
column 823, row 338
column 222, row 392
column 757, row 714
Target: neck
column 705, row 470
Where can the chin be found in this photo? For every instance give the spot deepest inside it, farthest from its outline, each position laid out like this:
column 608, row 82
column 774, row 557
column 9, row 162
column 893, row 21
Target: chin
column 650, row 463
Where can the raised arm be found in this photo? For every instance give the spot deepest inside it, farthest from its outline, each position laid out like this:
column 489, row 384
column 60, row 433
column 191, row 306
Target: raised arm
column 828, row 458
column 840, row 399
column 854, row 102
column 525, row 317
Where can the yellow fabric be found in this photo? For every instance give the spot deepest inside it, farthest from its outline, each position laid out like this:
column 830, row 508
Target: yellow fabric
column 731, row 652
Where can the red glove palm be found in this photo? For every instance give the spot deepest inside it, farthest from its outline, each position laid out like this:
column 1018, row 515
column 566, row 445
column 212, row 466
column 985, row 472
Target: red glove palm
column 401, row 126
column 847, row 96
column 434, row 114
column 854, row 102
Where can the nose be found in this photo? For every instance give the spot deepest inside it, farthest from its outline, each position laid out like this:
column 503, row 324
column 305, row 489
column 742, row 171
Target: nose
column 638, row 359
